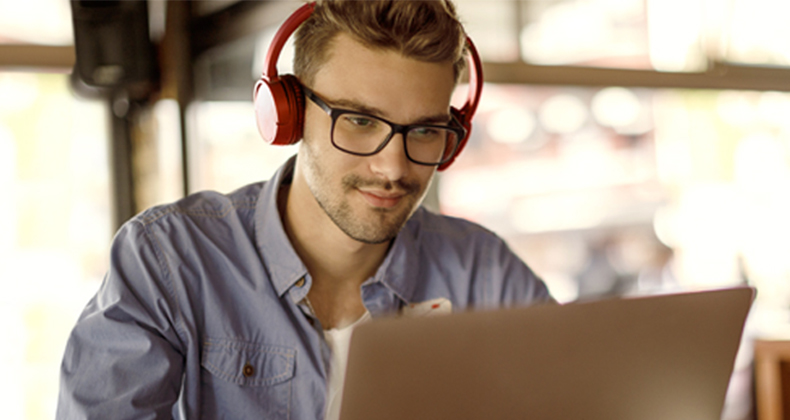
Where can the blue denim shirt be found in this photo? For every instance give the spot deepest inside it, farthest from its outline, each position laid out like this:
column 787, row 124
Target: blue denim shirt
column 201, row 313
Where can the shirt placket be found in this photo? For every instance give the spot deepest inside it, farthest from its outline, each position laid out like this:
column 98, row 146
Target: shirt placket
column 298, row 294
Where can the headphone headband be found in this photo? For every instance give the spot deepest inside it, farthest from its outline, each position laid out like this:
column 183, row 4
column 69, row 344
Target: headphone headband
column 279, row 101
column 283, row 33
column 475, row 80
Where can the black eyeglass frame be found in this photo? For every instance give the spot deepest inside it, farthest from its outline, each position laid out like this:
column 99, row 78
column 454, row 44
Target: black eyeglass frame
column 334, row 113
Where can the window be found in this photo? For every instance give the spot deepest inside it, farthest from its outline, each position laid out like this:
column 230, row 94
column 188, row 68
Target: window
column 54, row 231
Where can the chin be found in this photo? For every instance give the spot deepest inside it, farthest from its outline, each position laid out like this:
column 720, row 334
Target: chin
column 383, row 228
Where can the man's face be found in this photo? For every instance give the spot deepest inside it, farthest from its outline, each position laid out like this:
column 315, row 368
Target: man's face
column 371, row 197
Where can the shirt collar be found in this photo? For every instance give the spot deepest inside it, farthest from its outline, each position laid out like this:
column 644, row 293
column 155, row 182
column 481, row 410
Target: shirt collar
column 398, row 271
column 277, row 253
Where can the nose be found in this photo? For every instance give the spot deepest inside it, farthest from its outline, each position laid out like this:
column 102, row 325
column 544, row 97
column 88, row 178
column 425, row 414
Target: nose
column 391, row 162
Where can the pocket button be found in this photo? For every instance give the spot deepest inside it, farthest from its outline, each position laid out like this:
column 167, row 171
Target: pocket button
column 248, row 370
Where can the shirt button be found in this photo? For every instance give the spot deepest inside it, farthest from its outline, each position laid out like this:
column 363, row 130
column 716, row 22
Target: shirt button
column 248, row 370
column 300, row 282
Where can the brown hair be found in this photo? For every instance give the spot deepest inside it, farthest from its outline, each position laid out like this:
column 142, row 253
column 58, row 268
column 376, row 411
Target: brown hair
column 423, row 30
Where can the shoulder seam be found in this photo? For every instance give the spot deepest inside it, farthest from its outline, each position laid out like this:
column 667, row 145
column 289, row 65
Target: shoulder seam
column 147, row 218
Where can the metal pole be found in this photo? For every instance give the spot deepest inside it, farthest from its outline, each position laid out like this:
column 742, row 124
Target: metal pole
column 121, row 170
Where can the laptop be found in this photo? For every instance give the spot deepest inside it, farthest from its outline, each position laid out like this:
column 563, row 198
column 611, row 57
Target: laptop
column 666, row 357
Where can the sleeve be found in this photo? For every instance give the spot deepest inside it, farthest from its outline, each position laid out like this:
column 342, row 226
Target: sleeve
column 124, row 358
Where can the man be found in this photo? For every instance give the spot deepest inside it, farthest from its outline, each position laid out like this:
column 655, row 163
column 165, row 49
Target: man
column 233, row 306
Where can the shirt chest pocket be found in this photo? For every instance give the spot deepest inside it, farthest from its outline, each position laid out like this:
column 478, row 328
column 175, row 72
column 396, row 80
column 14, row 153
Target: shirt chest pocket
column 246, row 379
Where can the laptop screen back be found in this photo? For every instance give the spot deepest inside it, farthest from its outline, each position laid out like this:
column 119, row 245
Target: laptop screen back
column 648, row 358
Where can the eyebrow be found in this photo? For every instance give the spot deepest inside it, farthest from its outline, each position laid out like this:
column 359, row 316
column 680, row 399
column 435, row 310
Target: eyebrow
column 355, row 106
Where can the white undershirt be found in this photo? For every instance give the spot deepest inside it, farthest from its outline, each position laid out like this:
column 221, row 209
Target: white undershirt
column 338, row 340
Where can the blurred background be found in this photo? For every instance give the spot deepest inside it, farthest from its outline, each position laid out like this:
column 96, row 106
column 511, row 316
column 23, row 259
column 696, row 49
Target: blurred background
column 622, row 147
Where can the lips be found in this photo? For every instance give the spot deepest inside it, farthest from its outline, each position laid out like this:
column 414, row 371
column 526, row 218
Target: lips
column 382, row 199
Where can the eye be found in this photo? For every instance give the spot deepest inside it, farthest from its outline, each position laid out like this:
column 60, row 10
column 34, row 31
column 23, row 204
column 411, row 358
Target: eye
column 425, row 131
column 427, row 134
column 360, row 121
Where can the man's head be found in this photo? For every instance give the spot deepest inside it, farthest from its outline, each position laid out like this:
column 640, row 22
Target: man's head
column 395, row 63
column 423, row 30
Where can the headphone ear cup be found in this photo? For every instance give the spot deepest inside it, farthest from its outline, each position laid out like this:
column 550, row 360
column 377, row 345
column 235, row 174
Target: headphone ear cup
column 461, row 117
column 279, row 109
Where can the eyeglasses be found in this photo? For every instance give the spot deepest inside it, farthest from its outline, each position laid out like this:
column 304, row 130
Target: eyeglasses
column 363, row 134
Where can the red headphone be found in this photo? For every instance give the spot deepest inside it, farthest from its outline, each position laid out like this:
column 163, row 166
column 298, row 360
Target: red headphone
column 279, row 100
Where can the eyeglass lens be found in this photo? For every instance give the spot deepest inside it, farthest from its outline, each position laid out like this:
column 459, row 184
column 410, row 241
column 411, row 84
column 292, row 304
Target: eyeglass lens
column 365, row 134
